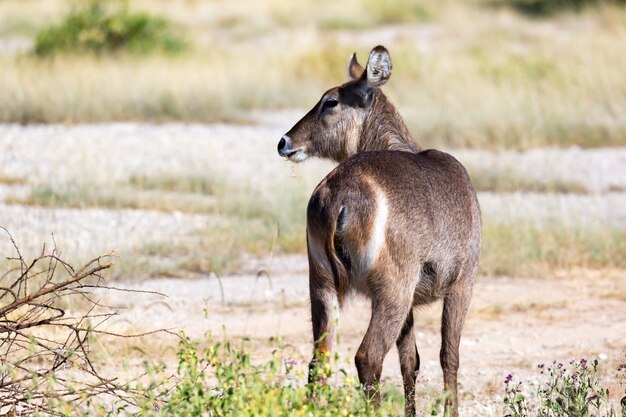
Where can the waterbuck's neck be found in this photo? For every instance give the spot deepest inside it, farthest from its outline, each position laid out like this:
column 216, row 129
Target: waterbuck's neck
column 384, row 129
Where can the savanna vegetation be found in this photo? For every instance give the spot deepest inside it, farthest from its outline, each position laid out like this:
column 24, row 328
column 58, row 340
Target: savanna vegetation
column 502, row 81
column 106, row 27
column 495, row 75
column 564, row 389
column 472, row 74
column 52, row 359
column 258, row 222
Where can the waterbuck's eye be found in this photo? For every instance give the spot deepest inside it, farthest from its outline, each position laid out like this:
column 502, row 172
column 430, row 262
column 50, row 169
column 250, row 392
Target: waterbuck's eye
column 330, row 103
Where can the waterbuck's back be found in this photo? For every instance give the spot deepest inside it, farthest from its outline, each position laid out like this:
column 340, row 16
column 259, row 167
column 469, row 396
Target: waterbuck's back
column 392, row 210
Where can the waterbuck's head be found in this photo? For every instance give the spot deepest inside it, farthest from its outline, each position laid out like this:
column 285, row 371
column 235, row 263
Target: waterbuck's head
column 353, row 117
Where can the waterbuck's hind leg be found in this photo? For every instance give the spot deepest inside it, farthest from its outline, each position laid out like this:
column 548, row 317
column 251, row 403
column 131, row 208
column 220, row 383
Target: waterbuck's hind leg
column 323, row 304
column 409, row 363
column 455, row 306
column 390, row 307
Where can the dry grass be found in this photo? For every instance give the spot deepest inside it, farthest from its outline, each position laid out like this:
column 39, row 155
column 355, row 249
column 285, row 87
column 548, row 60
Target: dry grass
column 615, row 294
column 194, row 184
column 216, row 249
column 473, row 76
column 255, row 221
column 498, row 311
column 503, row 81
column 616, row 189
column 12, row 179
column 524, row 248
column 262, row 16
column 23, row 18
column 87, row 196
column 247, row 220
column 506, row 182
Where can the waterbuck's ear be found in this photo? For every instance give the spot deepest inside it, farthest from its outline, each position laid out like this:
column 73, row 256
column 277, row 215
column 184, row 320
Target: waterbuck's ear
column 378, row 67
column 360, row 92
column 355, row 70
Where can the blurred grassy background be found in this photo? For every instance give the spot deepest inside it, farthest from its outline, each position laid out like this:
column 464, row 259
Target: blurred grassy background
column 487, row 74
column 481, row 79
column 466, row 73
column 259, row 222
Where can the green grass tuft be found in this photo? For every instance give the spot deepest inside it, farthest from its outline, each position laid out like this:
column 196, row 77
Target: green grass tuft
column 100, row 26
column 548, row 8
column 225, row 380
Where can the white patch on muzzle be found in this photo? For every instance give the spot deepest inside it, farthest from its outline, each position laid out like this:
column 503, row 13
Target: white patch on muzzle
column 299, row 156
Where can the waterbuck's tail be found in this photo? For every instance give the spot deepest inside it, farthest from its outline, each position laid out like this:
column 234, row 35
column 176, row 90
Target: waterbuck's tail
column 337, row 254
column 326, row 220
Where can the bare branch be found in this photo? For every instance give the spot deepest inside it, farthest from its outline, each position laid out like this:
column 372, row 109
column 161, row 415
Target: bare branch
column 45, row 352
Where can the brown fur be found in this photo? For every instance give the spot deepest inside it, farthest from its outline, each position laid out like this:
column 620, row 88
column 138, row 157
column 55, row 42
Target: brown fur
column 393, row 222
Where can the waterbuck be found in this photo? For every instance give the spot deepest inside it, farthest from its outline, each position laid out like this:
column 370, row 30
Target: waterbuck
column 395, row 223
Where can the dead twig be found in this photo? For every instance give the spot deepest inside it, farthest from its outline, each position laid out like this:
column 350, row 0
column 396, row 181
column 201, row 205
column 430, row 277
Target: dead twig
column 45, row 356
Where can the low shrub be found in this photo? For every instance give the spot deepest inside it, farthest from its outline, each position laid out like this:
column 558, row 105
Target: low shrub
column 100, row 26
column 563, row 392
column 223, row 380
column 545, row 8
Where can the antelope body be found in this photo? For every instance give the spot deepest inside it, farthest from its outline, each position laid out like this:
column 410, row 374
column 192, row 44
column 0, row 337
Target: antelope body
column 395, row 223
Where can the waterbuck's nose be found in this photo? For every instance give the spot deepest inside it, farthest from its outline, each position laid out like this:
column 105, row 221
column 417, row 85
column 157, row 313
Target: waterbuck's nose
column 284, row 145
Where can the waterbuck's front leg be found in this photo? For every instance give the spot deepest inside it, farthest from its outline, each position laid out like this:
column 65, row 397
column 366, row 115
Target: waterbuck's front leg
column 323, row 304
column 409, row 362
column 390, row 307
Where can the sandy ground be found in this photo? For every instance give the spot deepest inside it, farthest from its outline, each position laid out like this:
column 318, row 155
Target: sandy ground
column 514, row 324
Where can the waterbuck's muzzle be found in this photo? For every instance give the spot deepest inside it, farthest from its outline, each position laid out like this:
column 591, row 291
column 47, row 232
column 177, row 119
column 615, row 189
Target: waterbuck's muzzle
column 284, row 146
column 286, row 150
